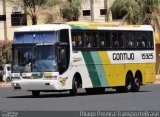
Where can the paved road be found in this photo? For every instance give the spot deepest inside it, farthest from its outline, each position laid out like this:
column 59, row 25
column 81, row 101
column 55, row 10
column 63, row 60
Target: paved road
column 147, row 99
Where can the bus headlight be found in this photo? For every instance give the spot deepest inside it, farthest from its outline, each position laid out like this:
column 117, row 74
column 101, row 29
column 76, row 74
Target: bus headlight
column 16, row 85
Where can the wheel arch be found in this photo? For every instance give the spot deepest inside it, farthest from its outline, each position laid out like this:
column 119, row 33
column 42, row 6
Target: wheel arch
column 77, row 77
column 129, row 73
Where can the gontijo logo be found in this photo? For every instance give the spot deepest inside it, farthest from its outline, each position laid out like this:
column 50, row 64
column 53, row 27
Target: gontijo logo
column 123, row 56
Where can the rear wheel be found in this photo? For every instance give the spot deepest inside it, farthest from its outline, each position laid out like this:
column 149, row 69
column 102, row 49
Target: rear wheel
column 136, row 85
column 35, row 93
column 128, row 84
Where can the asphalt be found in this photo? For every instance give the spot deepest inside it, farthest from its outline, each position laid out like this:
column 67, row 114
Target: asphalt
column 146, row 99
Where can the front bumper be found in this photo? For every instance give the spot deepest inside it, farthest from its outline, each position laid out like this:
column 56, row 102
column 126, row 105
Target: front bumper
column 38, row 84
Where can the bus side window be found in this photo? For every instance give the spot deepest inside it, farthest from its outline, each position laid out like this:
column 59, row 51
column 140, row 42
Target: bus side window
column 88, row 39
column 130, row 37
column 115, row 40
column 80, row 40
column 94, row 37
column 74, row 39
column 77, row 39
column 107, row 39
column 150, row 40
column 144, row 38
column 101, row 39
column 121, row 38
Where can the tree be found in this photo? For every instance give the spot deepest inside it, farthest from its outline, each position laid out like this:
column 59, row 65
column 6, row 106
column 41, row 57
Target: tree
column 138, row 11
column 34, row 8
column 71, row 10
column 5, row 52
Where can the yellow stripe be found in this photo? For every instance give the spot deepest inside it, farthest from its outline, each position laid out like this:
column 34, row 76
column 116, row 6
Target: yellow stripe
column 104, row 57
column 105, row 61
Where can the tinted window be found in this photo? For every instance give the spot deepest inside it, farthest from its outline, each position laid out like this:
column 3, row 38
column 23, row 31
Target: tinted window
column 86, row 13
column 77, row 39
column 18, row 19
column 103, row 11
column 101, row 39
column 130, row 40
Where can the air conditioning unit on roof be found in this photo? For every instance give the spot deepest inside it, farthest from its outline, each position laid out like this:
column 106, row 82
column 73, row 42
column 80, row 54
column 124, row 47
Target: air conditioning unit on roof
column 16, row 9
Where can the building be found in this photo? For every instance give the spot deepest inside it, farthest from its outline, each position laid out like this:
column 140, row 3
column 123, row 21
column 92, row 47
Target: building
column 11, row 17
column 99, row 8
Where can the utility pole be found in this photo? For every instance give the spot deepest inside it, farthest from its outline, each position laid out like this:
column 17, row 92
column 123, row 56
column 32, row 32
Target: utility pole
column 92, row 10
column 5, row 22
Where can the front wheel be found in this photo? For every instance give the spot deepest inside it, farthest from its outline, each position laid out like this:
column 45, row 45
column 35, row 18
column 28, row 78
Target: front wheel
column 73, row 91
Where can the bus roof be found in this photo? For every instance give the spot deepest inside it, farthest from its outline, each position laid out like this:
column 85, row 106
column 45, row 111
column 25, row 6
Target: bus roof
column 83, row 25
column 108, row 26
column 43, row 27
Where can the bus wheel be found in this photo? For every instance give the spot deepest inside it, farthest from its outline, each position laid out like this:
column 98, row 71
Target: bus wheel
column 35, row 93
column 128, row 86
column 73, row 91
column 136, row 85
column 129, row 83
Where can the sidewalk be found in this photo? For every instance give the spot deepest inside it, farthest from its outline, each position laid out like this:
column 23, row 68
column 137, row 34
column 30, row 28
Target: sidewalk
column 5, row 84
column 157, row 79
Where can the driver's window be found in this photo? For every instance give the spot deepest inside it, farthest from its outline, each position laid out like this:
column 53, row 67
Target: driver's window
column 64, row 50
column 62, row 60
column 64, row 36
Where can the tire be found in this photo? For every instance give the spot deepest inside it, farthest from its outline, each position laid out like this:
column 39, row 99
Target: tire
column 136, row 85
column 73, row 91
column 35, row 93
column 128, row 85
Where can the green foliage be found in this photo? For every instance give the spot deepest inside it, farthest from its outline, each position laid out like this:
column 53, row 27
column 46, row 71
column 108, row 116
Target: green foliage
column 5, row 53
column 71, row 11
column 34, row 8
column 138, row 11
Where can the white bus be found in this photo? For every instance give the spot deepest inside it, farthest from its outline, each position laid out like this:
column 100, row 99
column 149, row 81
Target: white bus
column 66, row 57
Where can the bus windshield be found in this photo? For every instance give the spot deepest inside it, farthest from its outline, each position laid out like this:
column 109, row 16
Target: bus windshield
column 41, row 58
column 44, row 59
column 22, row 59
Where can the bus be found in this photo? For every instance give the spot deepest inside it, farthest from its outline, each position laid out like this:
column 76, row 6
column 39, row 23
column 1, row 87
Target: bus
column 93, row 56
